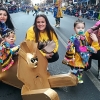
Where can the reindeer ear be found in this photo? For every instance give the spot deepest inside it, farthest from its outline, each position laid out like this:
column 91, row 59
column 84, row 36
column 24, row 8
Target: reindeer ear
column 24, row 47
column 32, row 46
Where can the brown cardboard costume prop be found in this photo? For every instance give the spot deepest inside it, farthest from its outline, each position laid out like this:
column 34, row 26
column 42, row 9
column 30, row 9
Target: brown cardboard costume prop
column 33, row 79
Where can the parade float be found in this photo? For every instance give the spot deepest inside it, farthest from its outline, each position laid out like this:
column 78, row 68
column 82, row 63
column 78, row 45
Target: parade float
column 29, row 73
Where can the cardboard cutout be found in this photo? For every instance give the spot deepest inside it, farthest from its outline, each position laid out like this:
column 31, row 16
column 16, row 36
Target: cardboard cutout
column 33, row 79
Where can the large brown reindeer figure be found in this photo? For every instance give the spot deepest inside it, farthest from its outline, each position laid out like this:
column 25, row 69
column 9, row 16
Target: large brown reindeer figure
column 29, row 73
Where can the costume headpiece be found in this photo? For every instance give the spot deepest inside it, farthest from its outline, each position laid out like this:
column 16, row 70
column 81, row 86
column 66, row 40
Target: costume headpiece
column 3, row 28
column 5, row 31
column 96, row 26
column 97, row 23
column 95, row 29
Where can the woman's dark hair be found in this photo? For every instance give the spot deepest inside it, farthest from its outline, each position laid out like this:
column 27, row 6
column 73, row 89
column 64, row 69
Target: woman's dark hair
column 8, row 22
column 48, row 28
column 78, row 21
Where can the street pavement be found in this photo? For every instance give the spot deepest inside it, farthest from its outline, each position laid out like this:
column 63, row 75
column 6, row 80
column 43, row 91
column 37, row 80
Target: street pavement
column 90, row 90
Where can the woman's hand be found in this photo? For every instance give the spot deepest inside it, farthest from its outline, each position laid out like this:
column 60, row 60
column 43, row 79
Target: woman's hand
column 93, row 37
column 48, row 56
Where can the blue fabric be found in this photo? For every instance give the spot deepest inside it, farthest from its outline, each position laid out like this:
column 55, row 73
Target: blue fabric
column 3, row 28
column 55, row 11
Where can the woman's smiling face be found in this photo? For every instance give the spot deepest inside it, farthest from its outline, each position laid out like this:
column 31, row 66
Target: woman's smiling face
column 41, row 23
column 3, row 16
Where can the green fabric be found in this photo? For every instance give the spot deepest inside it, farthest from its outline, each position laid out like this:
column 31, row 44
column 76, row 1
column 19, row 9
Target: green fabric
column 99, row 16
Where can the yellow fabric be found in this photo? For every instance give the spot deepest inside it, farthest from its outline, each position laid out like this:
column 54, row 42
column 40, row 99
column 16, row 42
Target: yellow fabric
column 36, row 7
column 7, row 61
column 92, row 43
column 63, row 8
column 30, row 35
column 58, row 3
column 77, row 62
column 59, row 13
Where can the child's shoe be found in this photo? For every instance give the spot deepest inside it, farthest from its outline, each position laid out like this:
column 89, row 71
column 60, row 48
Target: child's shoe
column 55, row 25
column 80, row 81
column 58, row 25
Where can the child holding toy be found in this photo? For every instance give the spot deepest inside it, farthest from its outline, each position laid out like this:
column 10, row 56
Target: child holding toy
column 7, row 46
column 79, row 50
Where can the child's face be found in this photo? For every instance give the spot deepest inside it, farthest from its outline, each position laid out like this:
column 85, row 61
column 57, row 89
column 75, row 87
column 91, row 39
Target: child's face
column 10, row 39
column 79, row 28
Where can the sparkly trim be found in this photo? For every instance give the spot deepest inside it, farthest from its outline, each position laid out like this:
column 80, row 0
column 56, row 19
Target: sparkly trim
column 7, row 61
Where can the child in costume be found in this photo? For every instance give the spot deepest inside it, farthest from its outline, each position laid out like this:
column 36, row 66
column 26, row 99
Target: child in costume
column 78, row 51
column 7, row 46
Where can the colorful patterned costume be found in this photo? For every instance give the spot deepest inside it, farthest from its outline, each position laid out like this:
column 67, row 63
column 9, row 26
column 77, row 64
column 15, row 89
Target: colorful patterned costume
column 6, row 57
column 6, row 50
column 78, row 52
column 6, row 54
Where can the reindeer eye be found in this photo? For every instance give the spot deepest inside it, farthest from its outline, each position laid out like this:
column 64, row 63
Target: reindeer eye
column 32, row 60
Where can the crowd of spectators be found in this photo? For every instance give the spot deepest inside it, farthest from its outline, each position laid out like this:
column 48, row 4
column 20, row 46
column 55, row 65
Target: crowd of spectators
column 78, row 10
column 12, row 8
column 85, row 11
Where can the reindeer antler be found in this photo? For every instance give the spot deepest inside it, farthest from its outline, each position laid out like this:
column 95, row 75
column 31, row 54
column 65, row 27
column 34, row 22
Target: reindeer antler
column 32, row 46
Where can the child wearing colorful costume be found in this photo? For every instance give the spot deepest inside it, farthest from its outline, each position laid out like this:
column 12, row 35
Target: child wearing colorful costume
column 7, row 46
column 78, row 51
